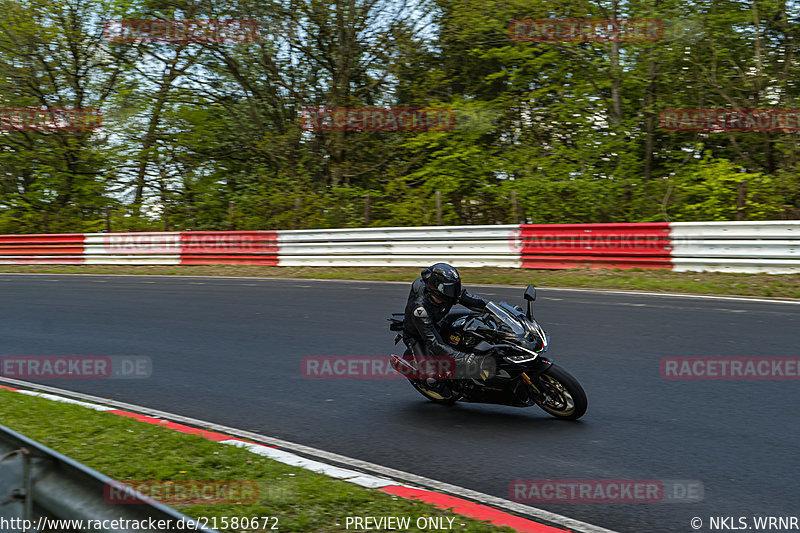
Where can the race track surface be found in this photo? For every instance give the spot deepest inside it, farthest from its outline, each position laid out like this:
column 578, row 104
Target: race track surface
column 229, row 351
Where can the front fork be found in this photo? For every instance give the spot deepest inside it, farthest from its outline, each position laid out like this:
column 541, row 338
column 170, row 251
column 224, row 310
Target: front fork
column 537, row 368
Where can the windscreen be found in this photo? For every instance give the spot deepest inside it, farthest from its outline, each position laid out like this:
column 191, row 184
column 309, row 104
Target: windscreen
column 509, row 321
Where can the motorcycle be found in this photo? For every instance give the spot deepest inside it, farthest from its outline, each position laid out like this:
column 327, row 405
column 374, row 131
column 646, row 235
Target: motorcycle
column 522, row 376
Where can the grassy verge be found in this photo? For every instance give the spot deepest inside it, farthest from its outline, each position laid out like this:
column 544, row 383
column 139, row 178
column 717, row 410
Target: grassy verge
column 125, row 449
column 765, row 285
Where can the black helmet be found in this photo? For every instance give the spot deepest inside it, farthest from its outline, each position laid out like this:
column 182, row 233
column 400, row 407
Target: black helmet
column 443, row 282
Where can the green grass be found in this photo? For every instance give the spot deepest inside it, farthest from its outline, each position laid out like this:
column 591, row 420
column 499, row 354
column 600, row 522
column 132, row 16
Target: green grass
column 761, row 285
column 125, row 449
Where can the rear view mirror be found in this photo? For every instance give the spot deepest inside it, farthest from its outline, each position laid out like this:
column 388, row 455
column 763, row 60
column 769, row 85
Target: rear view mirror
column 530, row 293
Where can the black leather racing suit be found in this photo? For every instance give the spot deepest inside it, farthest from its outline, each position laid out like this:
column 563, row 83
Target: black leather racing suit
column 423, row 317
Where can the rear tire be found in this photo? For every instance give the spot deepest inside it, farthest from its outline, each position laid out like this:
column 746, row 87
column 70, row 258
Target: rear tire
column 439, row 395
column 440, row 392
column 561, row 394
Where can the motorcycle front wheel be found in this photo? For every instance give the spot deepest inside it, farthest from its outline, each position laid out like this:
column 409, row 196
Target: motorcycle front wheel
column 560, row 394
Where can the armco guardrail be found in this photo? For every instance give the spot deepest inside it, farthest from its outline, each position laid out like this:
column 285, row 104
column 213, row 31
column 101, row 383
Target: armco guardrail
column 460, row 245
column 185, row 248
column 42, row 248
column 770, row 246
column 604, row 245
column 41, row 486
column 764, row 246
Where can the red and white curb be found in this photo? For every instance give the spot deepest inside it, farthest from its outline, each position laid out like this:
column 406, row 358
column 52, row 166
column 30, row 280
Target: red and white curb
column 455, row 504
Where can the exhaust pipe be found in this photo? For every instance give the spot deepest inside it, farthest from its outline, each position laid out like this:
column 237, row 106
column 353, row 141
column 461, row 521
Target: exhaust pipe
column 402, row 366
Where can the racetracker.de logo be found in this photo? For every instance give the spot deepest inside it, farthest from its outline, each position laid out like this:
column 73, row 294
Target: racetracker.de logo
column 718, row 120
column 181, row 492
column 377, row 119
column 731, row 368
column 605, row 491
column 52, row 119
column 586, row 30
column 380, row 367
column 75, row 367
column 181, row 31
column 520, row 241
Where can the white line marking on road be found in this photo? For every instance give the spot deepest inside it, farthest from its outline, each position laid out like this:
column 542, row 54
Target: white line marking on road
column 542, row 287
column 674, row 295
column 372, row 468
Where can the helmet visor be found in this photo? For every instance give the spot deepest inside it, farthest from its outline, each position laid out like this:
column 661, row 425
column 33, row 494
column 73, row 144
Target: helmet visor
column 450, row 290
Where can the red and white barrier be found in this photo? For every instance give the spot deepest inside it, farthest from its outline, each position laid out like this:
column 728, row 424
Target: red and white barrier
column 460, row 245
column 595, row 245
column 183, row 248
column 770, row 247
column 60, row 249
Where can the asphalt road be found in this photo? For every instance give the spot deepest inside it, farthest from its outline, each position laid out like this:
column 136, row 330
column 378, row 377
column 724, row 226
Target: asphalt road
column 229, row 351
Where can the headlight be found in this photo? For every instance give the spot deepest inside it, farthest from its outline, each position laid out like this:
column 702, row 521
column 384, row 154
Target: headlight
column 527, row 355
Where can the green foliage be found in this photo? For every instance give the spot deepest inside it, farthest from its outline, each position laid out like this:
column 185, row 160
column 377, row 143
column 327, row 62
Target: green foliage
column 710, row 190
column 208, row 135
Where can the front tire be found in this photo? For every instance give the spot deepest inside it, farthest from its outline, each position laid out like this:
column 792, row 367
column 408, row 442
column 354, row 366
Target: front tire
column 560, row 394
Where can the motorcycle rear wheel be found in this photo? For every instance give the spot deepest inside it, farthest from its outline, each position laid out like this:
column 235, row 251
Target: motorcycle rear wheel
column 439, row 392
column 445, row 394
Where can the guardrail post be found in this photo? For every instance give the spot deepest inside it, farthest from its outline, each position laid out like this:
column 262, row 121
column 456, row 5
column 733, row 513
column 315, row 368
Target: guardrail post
column 16, row 497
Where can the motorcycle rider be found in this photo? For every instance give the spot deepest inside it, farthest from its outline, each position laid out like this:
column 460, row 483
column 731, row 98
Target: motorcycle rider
column 432, row 296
